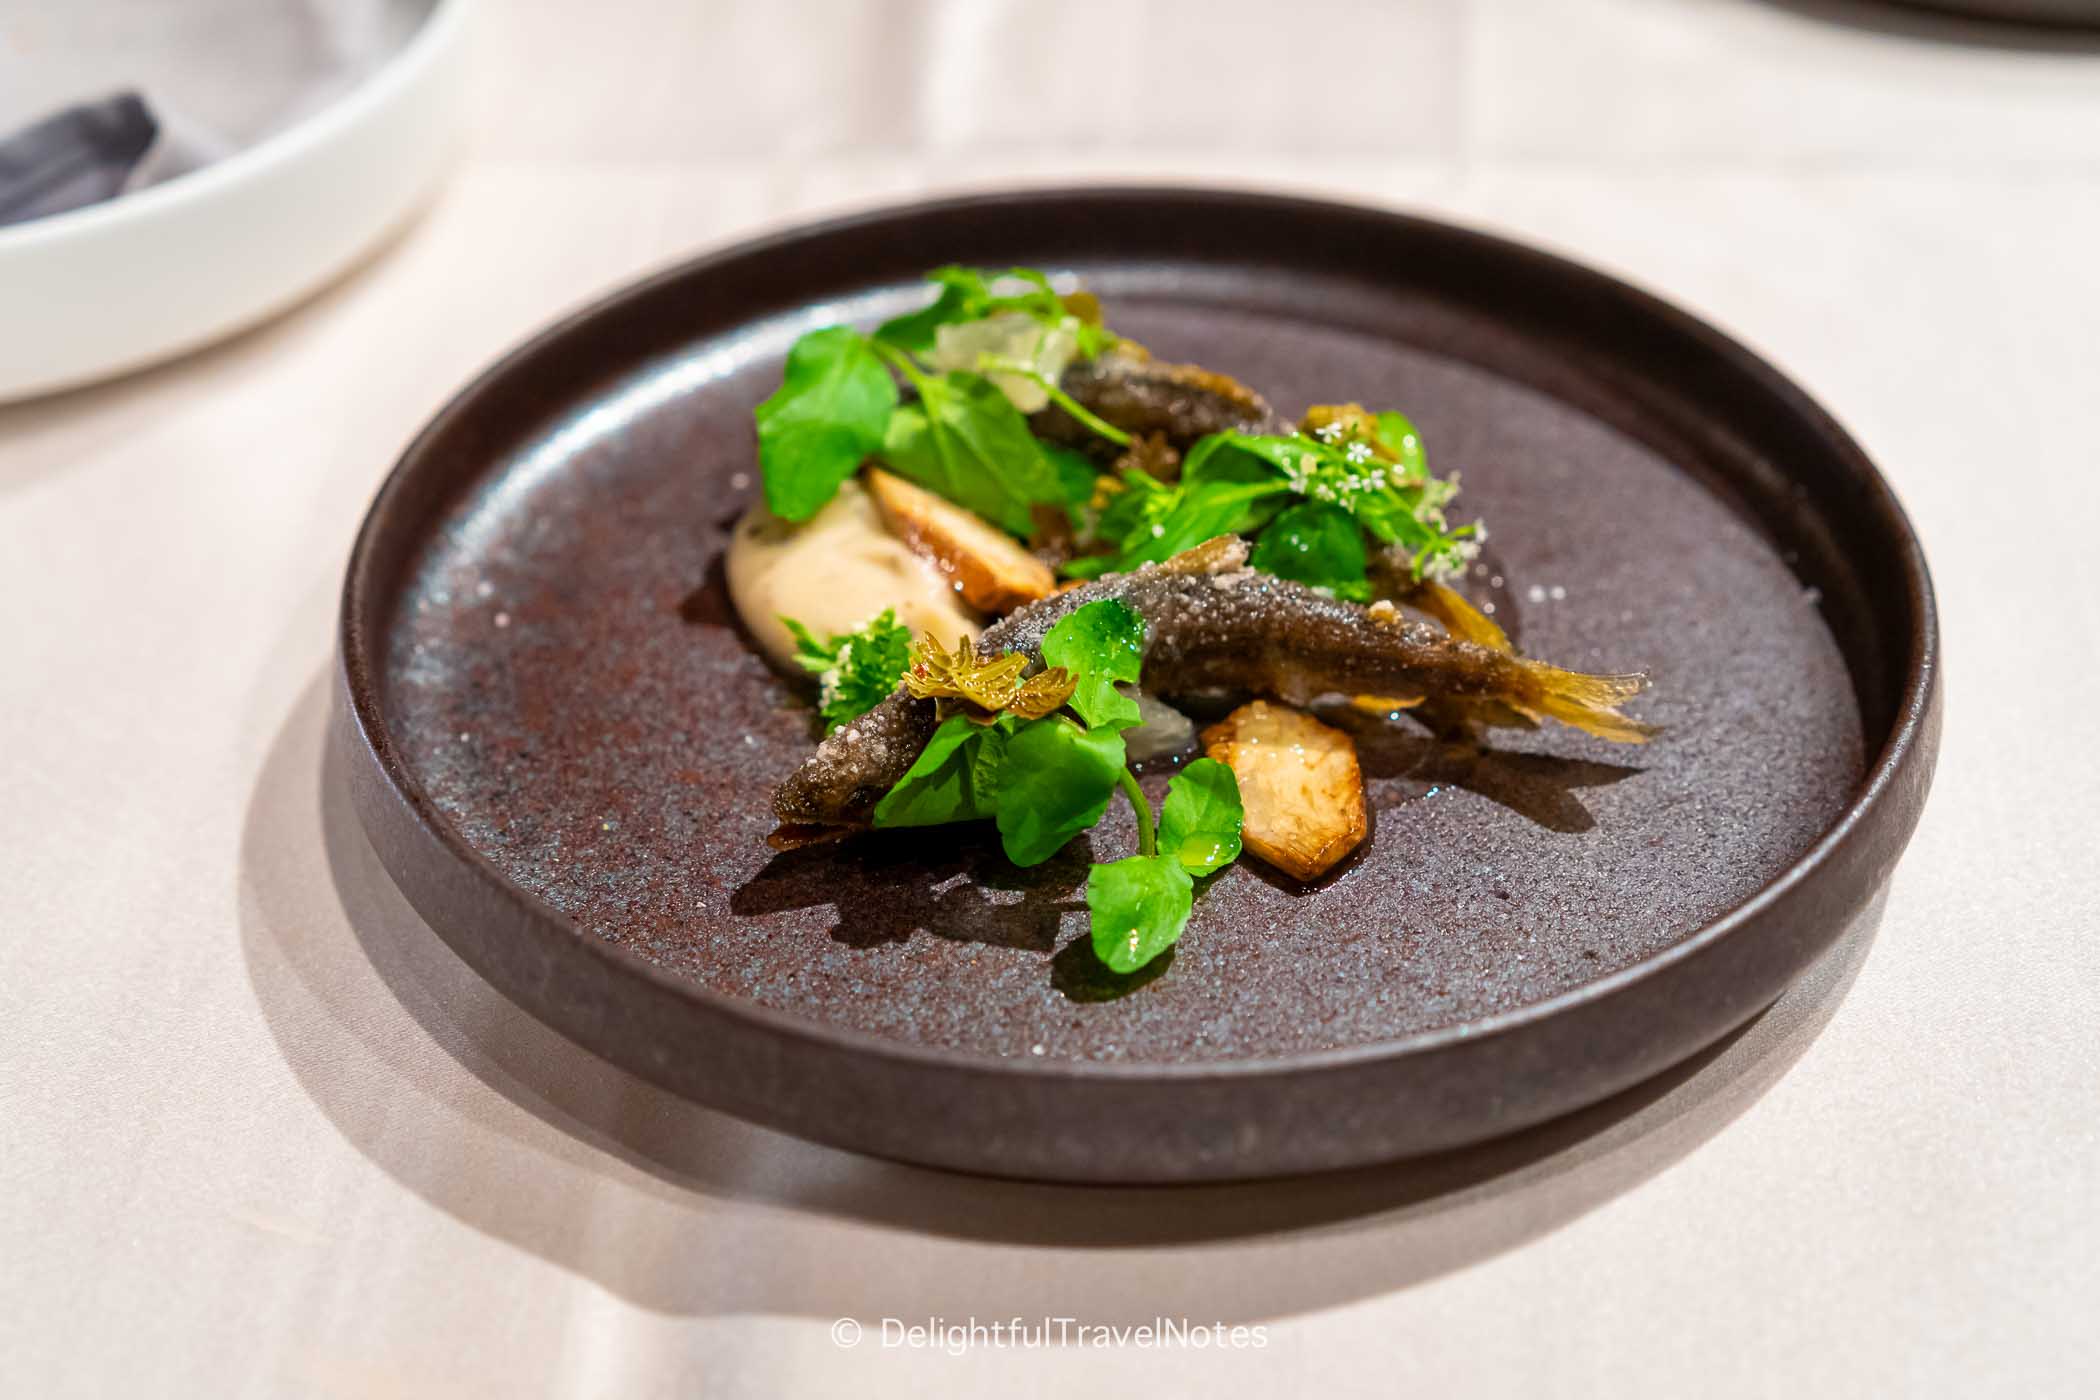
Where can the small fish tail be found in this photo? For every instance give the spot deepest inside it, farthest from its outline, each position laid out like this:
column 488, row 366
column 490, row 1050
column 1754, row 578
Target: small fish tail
column 1585, row 702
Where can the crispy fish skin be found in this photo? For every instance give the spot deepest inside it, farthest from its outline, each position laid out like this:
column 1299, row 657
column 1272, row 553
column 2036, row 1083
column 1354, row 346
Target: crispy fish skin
column 1214, row 624
column 1144, row 397
column 841, row 782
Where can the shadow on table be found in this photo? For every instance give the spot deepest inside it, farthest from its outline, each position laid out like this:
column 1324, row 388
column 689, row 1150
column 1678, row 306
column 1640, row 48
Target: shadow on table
column 493, row 1118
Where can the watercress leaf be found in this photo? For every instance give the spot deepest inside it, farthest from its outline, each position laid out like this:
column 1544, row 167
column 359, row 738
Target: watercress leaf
column 955, row 777
column 966, row 441
column 1149, row 521
column 1225, row 457
column 1038, row 300
column 1398, row 503
column 968, row 294
column 1137, row 907
column 1143, row 499
column 830, row 411
column 1204, row 511
column 962, row 297
column 1199, row 824
column 1317, row 544
column 1101, row 644
column 1095, row 339
column 1077, row 476
column 1055, row 782
column 1397, row 433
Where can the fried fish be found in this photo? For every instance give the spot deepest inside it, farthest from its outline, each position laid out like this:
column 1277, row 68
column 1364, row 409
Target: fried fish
column 1213, row 624
column 1153, row 401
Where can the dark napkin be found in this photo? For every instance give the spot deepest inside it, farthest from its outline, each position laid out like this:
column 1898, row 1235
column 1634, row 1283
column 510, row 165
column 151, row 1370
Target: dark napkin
column 81, row 156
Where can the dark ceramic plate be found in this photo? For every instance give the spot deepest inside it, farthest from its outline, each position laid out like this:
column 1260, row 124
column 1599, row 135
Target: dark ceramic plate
column 563, row 748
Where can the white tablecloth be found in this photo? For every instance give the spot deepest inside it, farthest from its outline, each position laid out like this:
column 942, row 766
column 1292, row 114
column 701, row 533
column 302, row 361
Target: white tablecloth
column 264, row 1136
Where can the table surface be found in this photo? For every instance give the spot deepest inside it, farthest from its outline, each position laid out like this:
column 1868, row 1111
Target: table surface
column 265, row 1136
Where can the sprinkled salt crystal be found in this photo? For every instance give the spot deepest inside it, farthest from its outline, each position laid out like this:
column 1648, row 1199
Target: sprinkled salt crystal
column 503, row 619
column 1558, row 593
column 740, row 481
column 1535, row 593
column 1035, row 1049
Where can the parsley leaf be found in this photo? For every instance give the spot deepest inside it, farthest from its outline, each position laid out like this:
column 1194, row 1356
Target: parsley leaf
column 830, row 411
column 955, row 778
column 1102, row 643
column 1317, row 544
column 1055, row 783
column 966, row 441
column 1199, row 823
column 1138, row 908
column 855, row 671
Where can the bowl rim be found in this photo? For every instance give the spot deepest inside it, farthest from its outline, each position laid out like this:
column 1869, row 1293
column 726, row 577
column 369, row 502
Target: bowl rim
column 250, row 165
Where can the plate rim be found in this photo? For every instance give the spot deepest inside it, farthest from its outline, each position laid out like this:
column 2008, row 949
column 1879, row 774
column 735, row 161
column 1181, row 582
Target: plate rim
column 1909, row 742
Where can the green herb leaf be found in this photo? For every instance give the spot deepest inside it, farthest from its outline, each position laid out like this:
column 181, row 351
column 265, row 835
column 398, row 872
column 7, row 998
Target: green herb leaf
column 1138, row 908
column 855, row 671
column 955, row 778
column 1199, row 824
column 1102, row 644
column 964, row 440
column 830, row 412
column 962, row 298
column 1317, row 544
column 1149, row 521
column 1395, row 502
column 1397, row 432
column 966, row 295
column 1077, row 476
column 1055, row 783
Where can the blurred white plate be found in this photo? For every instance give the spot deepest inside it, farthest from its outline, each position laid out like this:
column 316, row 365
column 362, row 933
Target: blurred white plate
column 116, row 286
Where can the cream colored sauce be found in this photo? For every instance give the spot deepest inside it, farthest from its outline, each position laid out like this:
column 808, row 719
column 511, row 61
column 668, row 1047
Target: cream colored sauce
column 833, row 572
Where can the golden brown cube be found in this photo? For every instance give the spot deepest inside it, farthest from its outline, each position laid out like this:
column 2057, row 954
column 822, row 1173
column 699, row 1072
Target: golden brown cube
column 1300, row 784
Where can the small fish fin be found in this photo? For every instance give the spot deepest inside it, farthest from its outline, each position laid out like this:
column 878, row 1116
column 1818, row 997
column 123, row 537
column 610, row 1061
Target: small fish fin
column 1588, row 703
column 1459, row 617
column 1385, row 704
column 1217, row 556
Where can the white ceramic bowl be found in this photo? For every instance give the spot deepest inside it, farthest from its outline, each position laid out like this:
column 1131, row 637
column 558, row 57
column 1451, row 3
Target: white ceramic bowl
column 112, row 287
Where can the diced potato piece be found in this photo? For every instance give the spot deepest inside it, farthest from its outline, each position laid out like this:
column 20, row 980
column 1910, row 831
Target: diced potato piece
column 1299, row 782
column 993, row 572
